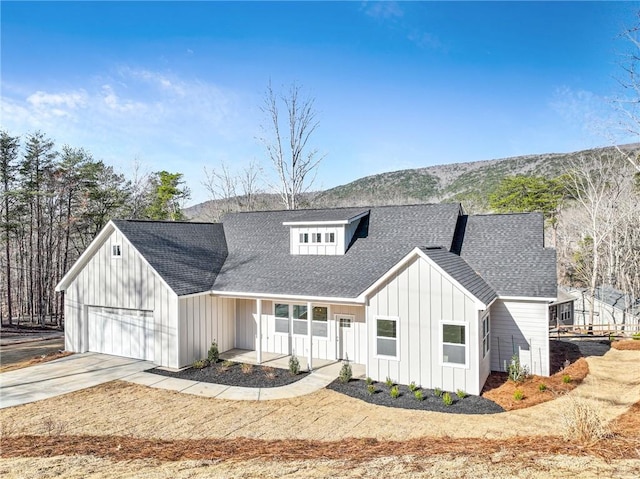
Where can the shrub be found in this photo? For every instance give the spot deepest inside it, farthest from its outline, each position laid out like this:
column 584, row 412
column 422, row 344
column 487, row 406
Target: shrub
column 394, row 392
column 294, row 365
column 226, row 365
column 269, row 372
column 636, row 336
column 517, row 372
column 518, row 395
column 246, row 368
column 566, row 379
column 345, row 372
column 371, row 389
column 413, row 386
column 542, row 387
column 389, row 382
column 582, row 422
column 437, row 392
column 461, row 394
column 213, row 355
column 369, row 380
column 447, row 399
column 200, row 363
column 418, row 395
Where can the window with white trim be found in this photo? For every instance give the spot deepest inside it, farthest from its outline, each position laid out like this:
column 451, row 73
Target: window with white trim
column 454, row 347
column 281, row 313
column 329, row 237
column 319, row 323
column 116, row 251
column 565, row 313
column 486, row 342
column 299, row 319
column 316, row 237
column 387, row 337
column 304, row 237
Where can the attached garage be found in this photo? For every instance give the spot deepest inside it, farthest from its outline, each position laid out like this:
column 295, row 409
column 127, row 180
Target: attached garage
column 121, row 332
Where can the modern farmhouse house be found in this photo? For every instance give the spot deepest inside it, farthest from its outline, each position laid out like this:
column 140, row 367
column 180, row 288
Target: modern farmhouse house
column 417, row 293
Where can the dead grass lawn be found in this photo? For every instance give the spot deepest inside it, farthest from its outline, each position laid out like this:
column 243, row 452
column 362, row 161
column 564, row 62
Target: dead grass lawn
column 34, row 361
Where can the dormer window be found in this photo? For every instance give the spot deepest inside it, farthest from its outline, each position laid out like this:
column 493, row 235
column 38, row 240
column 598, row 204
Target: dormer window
column 329, row 237
column 304, row 237
column 316, row 237
column 116, row 251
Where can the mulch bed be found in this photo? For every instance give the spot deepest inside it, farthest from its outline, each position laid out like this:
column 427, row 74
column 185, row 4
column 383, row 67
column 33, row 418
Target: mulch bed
column 357, row 388
column 233, row 374
column 626, row 345
column 36, row 360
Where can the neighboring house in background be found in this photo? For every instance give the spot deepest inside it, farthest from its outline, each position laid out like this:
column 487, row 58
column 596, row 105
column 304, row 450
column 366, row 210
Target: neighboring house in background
column 561, row 311
column 417, row 293
column 612, row 309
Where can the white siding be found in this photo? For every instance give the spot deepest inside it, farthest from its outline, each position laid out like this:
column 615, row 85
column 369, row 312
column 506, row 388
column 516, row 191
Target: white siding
column 246, row 324
column 421, row 298
column 322, row 248
column 124, row 282
column 204, row 319
column 520, row 327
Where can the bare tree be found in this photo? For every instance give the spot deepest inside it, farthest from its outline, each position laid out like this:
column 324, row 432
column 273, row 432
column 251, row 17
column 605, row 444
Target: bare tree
column 287, row 142
column 222, row 186
column 250, row 183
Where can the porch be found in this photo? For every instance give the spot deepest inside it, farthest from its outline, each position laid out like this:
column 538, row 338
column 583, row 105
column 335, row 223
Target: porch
column 281, row 361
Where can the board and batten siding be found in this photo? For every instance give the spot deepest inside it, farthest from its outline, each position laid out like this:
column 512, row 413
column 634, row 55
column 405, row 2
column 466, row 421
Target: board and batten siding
column 421, row 298
column 520, row 327
column 204, row 319
column 281, row 343
column 123, row 282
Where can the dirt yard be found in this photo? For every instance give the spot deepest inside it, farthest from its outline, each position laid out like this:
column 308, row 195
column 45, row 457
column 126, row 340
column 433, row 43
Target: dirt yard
column 86, row 434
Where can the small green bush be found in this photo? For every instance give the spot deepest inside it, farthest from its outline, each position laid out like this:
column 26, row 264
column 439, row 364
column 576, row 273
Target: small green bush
column 394, row 392
column 294, row 365
column 226, row 365
column 371, row 389
column 418, row 395
column 566, row 379
column 389, row 382
column 636, row 336
column 461, row 394
column 517, row 372
column 345, row 372
column 200, row 364
column 447, row 399
column 413, row 386
column 437, row 392
column 542, row 387
column 213, row 355
column 368, row 380
column 518, row 395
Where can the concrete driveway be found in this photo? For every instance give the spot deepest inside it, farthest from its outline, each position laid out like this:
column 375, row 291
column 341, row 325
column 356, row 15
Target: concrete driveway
column 65, row 375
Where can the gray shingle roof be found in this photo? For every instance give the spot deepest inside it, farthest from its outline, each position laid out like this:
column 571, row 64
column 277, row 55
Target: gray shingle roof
column 458, row 269
column 333, row 214
column 508, row 252
column 188, row 256
column 259, row 260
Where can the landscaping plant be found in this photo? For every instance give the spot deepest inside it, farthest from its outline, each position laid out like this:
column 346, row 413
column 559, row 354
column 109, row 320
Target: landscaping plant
column 294, row 365
column 517, row 372
column 213, row 354
column 518, row 395
column 371, row 389
column 345, row 372
column 418, row 395
column 461, row 394
column 388, row 382
column 394, row 392
column 542, row 387
column 447, row 399
column 437, row 392
column 246, row 368
column 200, row 363
column 566, row 379
column 413, row 386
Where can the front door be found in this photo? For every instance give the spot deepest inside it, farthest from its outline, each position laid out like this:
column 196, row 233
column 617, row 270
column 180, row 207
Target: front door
column 346, row 342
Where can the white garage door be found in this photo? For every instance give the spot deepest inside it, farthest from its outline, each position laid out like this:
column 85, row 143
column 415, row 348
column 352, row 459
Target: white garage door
column 121, row 332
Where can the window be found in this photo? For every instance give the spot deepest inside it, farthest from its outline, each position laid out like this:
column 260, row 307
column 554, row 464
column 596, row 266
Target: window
column 486, row 345
column 282, row 318
column 329, row 238
column 565, row 313
column 304, row 237
column 299, row 319
column 387, row 337
column 316, row 237
column 319, row 324
column 116, row 251
column 454, row 349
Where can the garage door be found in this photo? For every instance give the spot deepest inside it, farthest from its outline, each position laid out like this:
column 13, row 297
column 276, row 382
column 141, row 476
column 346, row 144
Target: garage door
column 121, row 332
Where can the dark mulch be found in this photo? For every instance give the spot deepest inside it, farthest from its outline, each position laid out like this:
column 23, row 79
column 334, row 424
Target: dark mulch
column 232, row 375
column 572, row 349
column 357, row 388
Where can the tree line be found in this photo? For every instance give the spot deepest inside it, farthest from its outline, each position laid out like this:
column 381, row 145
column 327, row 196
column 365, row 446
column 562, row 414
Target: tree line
column 54, row 202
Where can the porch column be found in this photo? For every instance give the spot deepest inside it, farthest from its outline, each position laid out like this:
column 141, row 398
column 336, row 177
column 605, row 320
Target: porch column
column 309, row 335
column 259, row 335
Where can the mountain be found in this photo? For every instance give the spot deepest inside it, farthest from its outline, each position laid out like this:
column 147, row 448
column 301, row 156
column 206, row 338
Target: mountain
column 469, row 183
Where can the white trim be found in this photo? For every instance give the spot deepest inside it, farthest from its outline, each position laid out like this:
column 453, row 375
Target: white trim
column 418, row 252
column 526, row 298
column 396, row 319
column 288, row 297
column 442, row 343
column 119, row 250
column 326, row 222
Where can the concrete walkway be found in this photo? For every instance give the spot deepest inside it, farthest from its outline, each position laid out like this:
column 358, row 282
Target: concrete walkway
column 318, row 379
column 64, row 375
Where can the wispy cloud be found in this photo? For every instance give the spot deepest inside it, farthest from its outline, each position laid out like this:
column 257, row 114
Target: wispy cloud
column 382, row 10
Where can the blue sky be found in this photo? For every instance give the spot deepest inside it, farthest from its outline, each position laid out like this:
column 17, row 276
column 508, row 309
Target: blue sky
column 178, row 85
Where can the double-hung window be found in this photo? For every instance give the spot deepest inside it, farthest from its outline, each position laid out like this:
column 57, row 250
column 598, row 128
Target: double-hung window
column 486, row 343
column 281, row 313
column 299, row 319
column 329, row 237
column 316, row 237
column 387, row 337
column 116, row 251
column 319, row 324
column 454, row 347
column 304, row 237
